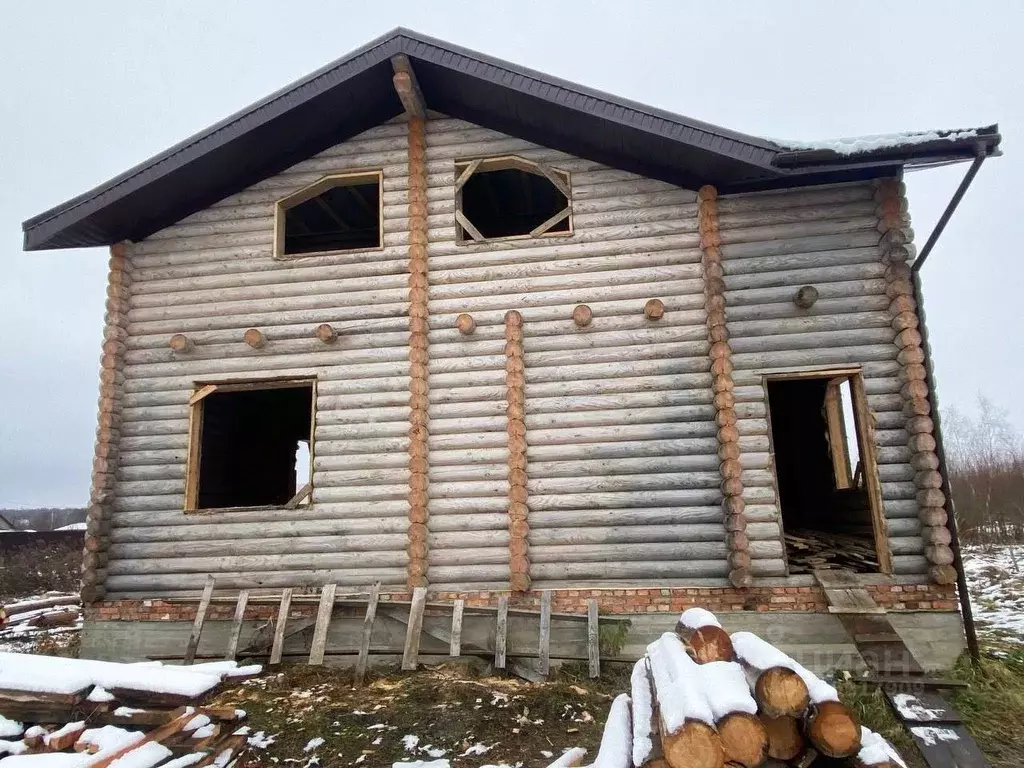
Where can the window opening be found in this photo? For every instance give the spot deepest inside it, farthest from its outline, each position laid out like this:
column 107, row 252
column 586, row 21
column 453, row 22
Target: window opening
column 338, row 213
column 511, row 197
column 250, row 445
column 830, row 513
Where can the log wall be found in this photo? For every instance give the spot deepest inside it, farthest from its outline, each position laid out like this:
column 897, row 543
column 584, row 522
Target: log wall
column 829, row 237
column 621, row 470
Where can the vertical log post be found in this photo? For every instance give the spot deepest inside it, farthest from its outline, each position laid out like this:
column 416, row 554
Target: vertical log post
column 108, row 431
column 722, row 385
column 418, row 355
column 895, row 251
column 518, row 523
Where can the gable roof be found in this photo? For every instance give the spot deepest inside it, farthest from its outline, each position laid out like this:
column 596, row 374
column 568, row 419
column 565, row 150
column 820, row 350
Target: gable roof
column 356, row 93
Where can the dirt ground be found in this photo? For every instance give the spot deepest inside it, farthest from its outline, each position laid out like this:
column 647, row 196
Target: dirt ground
column 449, row 711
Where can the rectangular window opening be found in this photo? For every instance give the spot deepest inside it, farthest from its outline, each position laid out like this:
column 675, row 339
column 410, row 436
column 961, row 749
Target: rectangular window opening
column 250, row 446
column 338, row 213
column 824, row 472
column 510, row 197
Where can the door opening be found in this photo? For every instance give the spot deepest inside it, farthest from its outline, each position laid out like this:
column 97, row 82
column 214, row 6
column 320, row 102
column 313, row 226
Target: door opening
column 828, row 490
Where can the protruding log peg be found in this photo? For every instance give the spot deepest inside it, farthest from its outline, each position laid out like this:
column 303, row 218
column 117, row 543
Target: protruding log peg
column 326, row 333
column 255, row 338
column 182, row 343
column 582, row 315
column 806, row 296
column 654, row 309
column 465, row 323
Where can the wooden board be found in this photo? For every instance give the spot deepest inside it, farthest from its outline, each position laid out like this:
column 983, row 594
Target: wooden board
column 455, row 644
column 881, row 647
column 593, row 639
column 844, row 593
column 197, row 625
column 544, row 647
column 323, row 619
column 501, row 632
column 412, row 636
column 282, row 619
column 364, row 643
column 236, row 625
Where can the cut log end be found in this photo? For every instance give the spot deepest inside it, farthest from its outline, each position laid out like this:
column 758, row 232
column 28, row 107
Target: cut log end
column 695, row 745
column 706, row 643
column 785, row 741
column 744, row 739
column 833, row 729
column 780, row 691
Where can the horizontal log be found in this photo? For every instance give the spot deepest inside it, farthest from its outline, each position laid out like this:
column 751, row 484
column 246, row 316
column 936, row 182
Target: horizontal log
column 338, row 561
column 388, row 577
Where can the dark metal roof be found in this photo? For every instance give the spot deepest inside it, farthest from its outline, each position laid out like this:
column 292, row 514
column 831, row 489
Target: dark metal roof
column 356, row 93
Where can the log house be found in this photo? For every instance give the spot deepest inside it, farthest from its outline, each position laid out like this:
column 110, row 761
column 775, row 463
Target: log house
column 430, row 319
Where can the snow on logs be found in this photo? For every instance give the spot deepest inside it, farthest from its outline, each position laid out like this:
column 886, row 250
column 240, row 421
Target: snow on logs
column 691, row 706
column 896, row 250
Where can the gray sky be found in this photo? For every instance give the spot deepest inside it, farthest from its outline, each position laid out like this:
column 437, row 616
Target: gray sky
column 87, row 90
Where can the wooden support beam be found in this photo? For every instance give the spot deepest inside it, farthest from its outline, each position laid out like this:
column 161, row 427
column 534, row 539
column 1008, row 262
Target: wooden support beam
column 282, row 619
column 455, row 644
column 540, row 229
column 323, row 621
column 593, row 639
column 202, row 393
column 197, row 625
column 501, row 632
column 556, row 180
column 412, row 635
column 468, row 171
column 407, row 87
column 236, row 624
column 544, row 650
column 364, row 644
column 467, row 225
column 295, row 500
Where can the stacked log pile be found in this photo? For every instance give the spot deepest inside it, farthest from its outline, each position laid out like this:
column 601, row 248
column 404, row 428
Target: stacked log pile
column 702, row 698
column 147, row 716
column 25, row 622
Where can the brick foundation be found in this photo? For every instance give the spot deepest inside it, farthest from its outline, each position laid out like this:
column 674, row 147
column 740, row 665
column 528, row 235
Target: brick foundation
column 893, row 597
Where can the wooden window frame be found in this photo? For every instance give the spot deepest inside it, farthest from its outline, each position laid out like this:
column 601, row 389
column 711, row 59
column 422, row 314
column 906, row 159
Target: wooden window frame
column 865, row 429
column 347, row 179
column 195, row 439
column 561, row 180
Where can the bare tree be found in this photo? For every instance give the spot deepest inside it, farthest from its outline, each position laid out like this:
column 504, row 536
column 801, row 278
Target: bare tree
column 986, row 467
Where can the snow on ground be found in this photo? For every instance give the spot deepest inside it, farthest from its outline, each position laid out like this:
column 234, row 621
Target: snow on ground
column 995, row 576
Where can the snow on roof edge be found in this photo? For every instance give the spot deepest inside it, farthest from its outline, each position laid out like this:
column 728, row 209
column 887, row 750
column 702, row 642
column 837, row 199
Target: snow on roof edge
column 859, row 144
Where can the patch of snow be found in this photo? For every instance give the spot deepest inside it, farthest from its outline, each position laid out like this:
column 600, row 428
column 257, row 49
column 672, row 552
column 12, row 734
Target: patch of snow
column 856, row 144
column 643, row 711
column 695, row 618
column 52, row 760
column 146, row 756
column 378, row 741
column 478, row 749
column 198, row 721
column 410, row 742
column 260, row 740
column 677, row 684
column 761, row 654
column 418, row 764
column 570, row 758
column 995, row 577
column 617, row 740
column 433, row 751
column 129, row 711
column 725, row 687
column 204, row 731
column 931, row 735
column 314, row 743
column 227, row 668
column 546, row 754
column 49, row 674
column 64, row 730
column 875, row 750
column 12, row 747
column 10, row 728
column 911, row 708
column 71, row 527
column 185, row 760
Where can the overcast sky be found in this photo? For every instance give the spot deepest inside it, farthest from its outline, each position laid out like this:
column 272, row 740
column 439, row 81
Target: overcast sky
column 87, row 90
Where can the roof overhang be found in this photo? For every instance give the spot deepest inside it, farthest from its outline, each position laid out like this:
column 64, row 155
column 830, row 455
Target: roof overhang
column 356, row 93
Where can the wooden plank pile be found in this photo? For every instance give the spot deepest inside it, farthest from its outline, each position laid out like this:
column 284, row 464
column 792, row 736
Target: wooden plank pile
column 702, row 698
column 45, row 612
column 97, row 713
column 809, row 550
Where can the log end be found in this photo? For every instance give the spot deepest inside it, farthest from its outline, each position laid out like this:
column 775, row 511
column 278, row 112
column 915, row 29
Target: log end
column 744, row 739
column 780, row 691
column 706, row 643
column 695, row 745
column 785, row 741
column 833, row 729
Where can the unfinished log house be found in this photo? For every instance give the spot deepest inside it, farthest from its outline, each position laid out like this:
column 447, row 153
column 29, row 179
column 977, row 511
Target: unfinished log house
column 427, row 318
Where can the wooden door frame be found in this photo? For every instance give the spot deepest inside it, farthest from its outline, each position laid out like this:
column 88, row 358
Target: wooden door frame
column 865, row 430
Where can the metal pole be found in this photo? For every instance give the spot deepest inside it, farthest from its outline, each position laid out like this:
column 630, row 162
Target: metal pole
column 947, row 214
